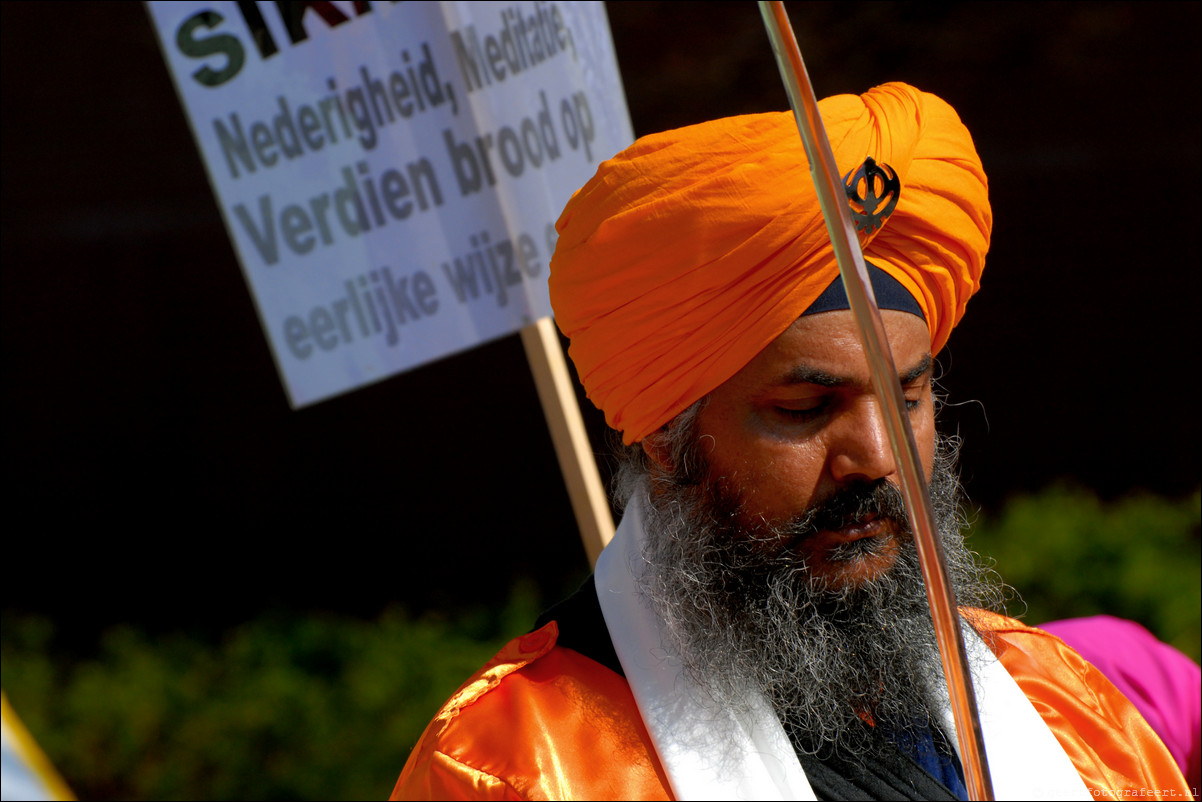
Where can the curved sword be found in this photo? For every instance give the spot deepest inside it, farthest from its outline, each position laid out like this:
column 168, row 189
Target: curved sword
column 832, row 198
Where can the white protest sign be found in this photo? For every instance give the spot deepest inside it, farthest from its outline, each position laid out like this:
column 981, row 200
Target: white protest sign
column 390, row 173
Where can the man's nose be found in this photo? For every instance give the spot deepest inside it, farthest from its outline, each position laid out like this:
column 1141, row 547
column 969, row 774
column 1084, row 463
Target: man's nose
column 859, row 446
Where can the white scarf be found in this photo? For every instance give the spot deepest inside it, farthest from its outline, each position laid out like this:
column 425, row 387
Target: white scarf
column 718, row 753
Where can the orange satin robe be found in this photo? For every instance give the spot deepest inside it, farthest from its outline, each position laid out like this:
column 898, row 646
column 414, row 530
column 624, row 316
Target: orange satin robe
column 544, row 722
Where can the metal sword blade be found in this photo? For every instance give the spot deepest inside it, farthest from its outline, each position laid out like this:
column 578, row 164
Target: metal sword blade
column 846, row 243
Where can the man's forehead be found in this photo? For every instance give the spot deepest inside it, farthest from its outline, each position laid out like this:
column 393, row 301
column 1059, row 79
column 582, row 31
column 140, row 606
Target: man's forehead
column 824, row 349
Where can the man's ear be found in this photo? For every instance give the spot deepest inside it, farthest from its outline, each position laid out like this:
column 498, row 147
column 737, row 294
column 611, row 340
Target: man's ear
column 658, row 454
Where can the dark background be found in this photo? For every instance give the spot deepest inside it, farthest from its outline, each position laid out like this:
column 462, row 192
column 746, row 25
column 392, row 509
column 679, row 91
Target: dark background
column 154, row 472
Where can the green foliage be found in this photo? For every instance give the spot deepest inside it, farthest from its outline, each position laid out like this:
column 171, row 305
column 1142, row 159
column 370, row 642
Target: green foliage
column 283, row 708
column 291, row 707
column 1069, row 555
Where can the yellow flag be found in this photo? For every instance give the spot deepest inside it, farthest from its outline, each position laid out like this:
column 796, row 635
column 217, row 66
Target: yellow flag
column 25, row 771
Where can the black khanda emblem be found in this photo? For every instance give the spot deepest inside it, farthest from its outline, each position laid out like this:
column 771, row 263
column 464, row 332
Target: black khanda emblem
column 881, row 189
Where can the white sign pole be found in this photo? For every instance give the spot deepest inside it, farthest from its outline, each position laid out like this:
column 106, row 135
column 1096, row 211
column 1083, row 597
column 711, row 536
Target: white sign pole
column 576, row 459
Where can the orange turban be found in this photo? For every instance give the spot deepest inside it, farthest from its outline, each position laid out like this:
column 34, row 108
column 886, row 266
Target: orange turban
column 692, row 250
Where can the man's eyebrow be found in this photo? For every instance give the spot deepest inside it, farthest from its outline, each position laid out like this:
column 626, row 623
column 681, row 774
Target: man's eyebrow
column 804, row 374
column 916, row 372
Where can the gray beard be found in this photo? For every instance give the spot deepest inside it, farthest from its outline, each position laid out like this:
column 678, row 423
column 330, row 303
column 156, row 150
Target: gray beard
column 741, row 611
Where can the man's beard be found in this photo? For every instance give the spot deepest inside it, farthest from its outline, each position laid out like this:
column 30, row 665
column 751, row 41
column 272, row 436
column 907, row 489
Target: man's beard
column 742, row 611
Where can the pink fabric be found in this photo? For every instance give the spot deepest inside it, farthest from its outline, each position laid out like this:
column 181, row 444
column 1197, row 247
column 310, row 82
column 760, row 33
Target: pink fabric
column 1163, row 684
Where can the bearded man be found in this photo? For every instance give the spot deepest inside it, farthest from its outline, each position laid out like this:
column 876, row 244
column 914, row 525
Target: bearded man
column 758, row 627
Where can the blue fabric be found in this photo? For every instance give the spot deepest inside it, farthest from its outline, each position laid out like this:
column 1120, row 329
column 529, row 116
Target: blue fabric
column 940, row 763
column 889, row 292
